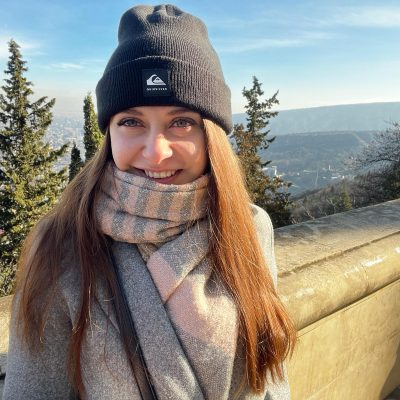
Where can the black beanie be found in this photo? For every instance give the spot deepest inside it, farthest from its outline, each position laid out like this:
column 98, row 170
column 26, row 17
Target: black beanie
column 163, row 57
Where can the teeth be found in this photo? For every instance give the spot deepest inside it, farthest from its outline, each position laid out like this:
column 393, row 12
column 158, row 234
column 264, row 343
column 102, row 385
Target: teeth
column 159, row 175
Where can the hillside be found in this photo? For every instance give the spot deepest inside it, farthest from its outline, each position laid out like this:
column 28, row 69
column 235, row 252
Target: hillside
column 296, row 152
column 351, row 117
column 314, row 160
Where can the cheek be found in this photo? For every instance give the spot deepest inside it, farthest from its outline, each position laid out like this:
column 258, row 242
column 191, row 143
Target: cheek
column 198, row 156
column 196, row 150
column 192, row 149
column 121, row 149
column 116, row 148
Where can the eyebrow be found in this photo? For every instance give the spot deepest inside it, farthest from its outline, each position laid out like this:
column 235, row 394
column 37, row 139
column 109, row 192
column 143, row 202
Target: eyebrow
column 172, row 112
column 180, row 111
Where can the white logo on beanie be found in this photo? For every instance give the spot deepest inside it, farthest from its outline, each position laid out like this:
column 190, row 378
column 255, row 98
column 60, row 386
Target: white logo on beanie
column 155, row 80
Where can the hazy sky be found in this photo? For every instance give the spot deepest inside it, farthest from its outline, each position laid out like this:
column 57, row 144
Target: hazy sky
column 314, row 52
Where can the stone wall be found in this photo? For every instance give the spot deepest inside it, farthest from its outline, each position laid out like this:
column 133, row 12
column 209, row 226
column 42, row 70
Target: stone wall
column 339, row 277
column 340, row 280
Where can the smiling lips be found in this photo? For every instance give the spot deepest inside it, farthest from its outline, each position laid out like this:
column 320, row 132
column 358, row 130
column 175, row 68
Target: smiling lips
column 160, row 175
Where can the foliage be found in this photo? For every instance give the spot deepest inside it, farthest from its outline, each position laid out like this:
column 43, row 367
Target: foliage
column 383, row 151
column 92, row 137
column 29, row 185
column 379, row 186
column 342, row 202
column 379, row 167
column 267, row 192
column 322, row 202
column 76, row 162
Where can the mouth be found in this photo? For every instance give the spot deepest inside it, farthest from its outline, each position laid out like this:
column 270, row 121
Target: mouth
column 167, row 176
column 160, row 175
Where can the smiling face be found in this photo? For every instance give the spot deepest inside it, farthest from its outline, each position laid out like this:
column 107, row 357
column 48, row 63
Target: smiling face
column 162, row 143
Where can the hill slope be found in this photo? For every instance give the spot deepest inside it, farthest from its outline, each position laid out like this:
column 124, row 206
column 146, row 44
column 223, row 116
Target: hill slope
column 351, row 117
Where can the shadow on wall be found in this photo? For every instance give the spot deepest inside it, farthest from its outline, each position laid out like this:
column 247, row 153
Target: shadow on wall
column 3, row 362
column 392, row 377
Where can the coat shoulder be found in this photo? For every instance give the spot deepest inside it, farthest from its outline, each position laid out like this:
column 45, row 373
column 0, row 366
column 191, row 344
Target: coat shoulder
column 262, row 221
column 265, row 234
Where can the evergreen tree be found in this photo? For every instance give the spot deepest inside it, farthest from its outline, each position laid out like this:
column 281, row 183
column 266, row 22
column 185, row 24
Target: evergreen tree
column 342, row 202
column 92, row 137
column 267, row 192
column 29, row 185
column 76, row 162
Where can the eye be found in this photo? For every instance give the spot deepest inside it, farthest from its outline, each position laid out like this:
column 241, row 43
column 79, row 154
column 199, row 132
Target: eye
column 183, row 123
column 129, row 122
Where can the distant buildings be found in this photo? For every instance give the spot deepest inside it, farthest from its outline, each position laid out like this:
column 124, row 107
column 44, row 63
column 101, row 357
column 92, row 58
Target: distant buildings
column 271, row 170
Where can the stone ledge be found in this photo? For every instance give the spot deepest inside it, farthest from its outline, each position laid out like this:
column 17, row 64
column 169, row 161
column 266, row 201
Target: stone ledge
column 329, row 263
column 299, row 245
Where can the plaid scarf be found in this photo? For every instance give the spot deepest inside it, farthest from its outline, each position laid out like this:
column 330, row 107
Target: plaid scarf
column 168, row 225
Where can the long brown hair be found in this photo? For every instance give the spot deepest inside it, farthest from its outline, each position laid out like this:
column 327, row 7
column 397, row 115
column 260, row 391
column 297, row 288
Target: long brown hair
column 265, row 327
column 267, row 332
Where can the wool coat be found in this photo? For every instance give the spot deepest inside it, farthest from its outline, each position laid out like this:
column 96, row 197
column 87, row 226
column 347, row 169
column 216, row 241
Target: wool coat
column 105, row 368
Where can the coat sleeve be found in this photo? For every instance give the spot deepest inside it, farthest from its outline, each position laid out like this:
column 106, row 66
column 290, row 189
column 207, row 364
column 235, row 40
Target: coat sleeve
column 42, row 374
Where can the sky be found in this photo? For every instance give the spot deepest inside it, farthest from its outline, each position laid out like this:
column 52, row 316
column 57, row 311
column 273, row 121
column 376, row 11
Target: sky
column 316, row 53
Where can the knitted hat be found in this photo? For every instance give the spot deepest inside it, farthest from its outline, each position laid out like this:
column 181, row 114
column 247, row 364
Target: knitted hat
column 163, row 57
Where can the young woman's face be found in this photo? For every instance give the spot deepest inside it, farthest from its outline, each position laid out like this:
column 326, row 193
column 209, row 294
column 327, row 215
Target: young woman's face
column 162, row 143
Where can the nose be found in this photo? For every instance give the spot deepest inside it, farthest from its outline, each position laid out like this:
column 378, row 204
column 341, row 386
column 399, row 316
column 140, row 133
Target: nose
column 157, row 148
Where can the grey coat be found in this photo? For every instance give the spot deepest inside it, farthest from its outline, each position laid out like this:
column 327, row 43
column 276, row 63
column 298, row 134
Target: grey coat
column 106, row 371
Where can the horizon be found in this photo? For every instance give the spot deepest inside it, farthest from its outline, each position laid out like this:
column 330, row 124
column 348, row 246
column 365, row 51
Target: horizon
column 315, row 55
column 330, row 105
column 279, row 110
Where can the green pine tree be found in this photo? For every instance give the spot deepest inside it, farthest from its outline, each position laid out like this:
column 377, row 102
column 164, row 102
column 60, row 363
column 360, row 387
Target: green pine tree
column 29, row 184
column 342, row 202
column 345, row 201
column 92, row 137
column 76, row 162
column 267, row 192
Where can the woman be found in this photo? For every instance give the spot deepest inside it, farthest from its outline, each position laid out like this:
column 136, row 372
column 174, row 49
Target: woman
column 153, row 277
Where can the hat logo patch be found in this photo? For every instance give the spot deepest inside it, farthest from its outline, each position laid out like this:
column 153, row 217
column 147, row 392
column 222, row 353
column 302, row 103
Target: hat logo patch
column 155, row 80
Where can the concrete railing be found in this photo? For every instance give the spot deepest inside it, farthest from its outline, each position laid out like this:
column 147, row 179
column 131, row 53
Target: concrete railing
column 339, row 277
column 340, row 280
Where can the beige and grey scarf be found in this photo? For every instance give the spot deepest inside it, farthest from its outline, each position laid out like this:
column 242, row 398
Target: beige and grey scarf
column 168, row 225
